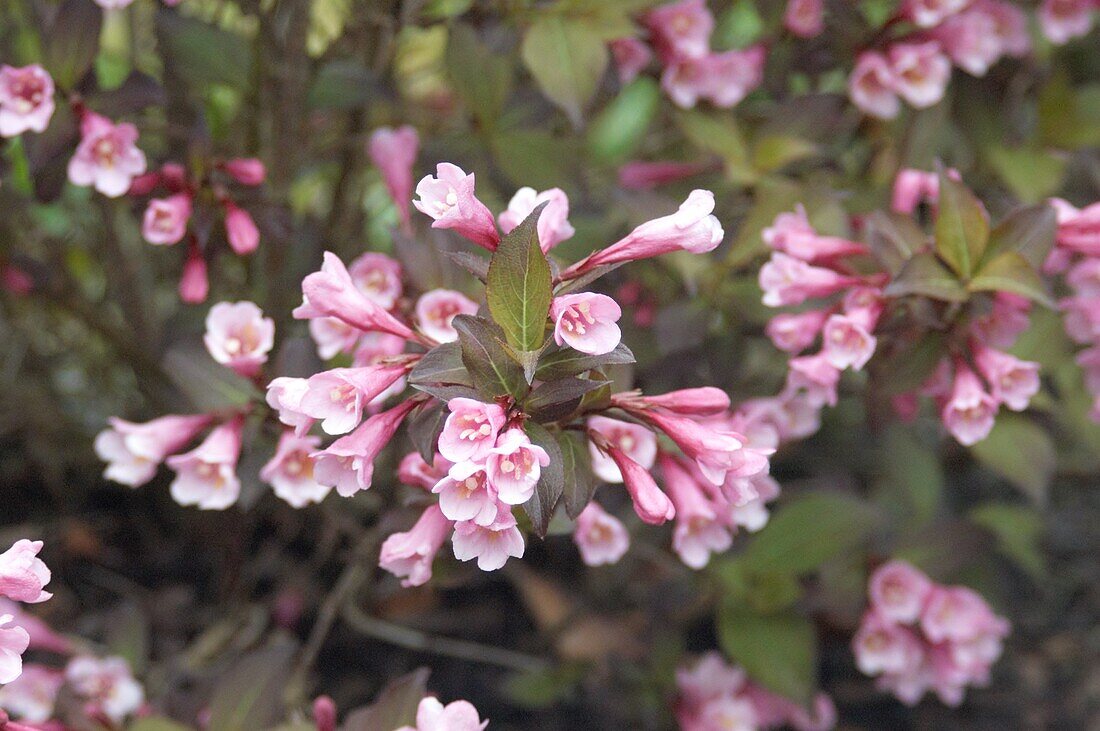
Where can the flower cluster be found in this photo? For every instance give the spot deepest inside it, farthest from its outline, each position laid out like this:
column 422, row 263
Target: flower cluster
column 715, row 695
column 919, row 636
column 1063, row 20
column 679, row 34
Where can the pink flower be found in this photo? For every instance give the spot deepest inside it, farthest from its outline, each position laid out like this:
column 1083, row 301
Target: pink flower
column 846, row 343
column 409, row 555
column 431, row 715
column 378, row 277
column 1012, row 381
column 246, row 170
column 641, row 175
column 704, row 401
column 970, row 411
column 133, row 451
column 927, row 13
column 338, row 396
column 921, row 72
column 792, row 233
column 958, row 614
column 240, row 229
column 290, row 471
column 1078, row 230
column 681, row 29
column 466, row 493
column 13, row 643
column 793, row 333
column 716, row 451
column 194, row 285
column 815, row 377
column 804, row 18
column 471, row 429
column 324, row 713
column 723, row 79
column 378, row 349
column 553, row 225
column 898, row 592
column 913, row 187
column 107, row 684
column 332, row 293
column 724, row 712
column 449, row 199
column 415, row 472
column 393, row 152
column 165, row 220
column 971, row 40
column 42, row 636
column 651, row 505
column 692, row 228
column 333, row 336
column 790, row 281
column 1010, row 25
column 22, row 574
column 586, row 322
column 752, row 513
column 207, row 475
column 633, row 440
column 600, row 537
column 1063, row 20
column 1005, row 321
column 514, row 466
column 871, row 86
column 107, row 157
column 436, row 309
column 699, row 530
column 883, row 647
column 491, row 545
column 26, row 99
column 284, row 394
column 239, row 336
column 348, row 463
column 31, row 697
column 709, row 678
column 117, row 4
column 631, row 57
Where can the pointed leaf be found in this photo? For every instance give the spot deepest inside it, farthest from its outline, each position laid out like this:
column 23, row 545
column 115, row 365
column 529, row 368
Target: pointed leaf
column 251, row 694
column 580, row 482
column 540, row 508
column 519, row 285
column 925, row 275
column 441, row 364
column 1011, row 272
column 1029, row 231
column 568, row 362
column 554, row 400
column 73, row 42
column 473, row 263
column 493, row 371
column 425, row 425
column 894, row 239
column 395, row 707
column 962, row 228
column 567, row 59
column 779, row 651
column 1022, row 452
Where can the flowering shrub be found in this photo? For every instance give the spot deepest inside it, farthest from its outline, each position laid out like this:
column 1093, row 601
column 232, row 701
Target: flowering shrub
column 817, row 284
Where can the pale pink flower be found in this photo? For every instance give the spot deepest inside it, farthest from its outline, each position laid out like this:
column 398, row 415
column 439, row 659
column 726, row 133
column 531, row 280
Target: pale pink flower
column 1084, row 277
column 449, row 199
column 22, row 574
column 491, row 545
column 107, row 157
column 913, row 187
column 117, row 4
column 815, row 378
column 409, row 555
column 725, row 713
column 921, row 72
column 133, row 451
column 804, row 18
column 31, row 696
column 601, row 538
column 775, row 711
column 585, row 321
column 240, row 229
column 1063, row 20
column 415, row 472
column 1012, row 381
column 1004, row 322
column 970, row 411
column 699, row 530
column 107, row 684
column 465, row 493
column 324, row 713
column 643, row 175
column 431, row 715
column 871, row 86
column 883, row 647
column 898, row 591
column 692, row 228
column 13, row 643
column 332, row 293
column 207, row 475
column 333, row 336
column 928, row 13
column 514, row 466
column 194, row 285
column 348, row 463
column 751, row 513
column 290, row 471
column 633, row 440
column 971, row 40
column 239, row 336
column 958, row 614
column 651, row 505
column 378, row 277
column 703, row 401
column 284, row 394
column 470, row 431
column 792, row 233
column 377, row 349
column 716, row 451
column 338, row 397
column 26, row 99
column 246, row 170
column 794, row 332
column 1011, row 25
column 723, row 79
column 165, row 220
column 393, row 152
column 436, row 309
column 846, row 343
column 42, row 636
column 681, row 29
column 790, row 281
column 553, row 225
column 631, row 57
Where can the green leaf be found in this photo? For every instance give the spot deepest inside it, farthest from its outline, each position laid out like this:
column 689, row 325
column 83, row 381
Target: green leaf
column 251, row 694
column 962, row 228
column 395, row 707
column 1033, row 175
column 519, row 286
column 809, row 531
column 424, row 425
column 534, row 157
column 342, row 85
column 204, row 54
column 482, row 78
column 494, row 372
column 1029, row 231
column 540, row 508
column 568, row 362
column 719, row 134
column 1021, row 452
column 924, row 275
column 908, row 367
column 618, row 130
column 554, row 400
column 779, row 651
column 441, row 364
column 774, row 152
column 1019, row 531
column 912, row 477
column 208, row 385
column 473, row 263
column 894, row 239
column 580, row 482
column 73, row 42
column 1011, row 272
column 567, row 58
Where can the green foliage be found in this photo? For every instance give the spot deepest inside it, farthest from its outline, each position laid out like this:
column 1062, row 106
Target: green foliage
column 551, row 484
column 1022, row 452
column 962, row 227
column 567, row 58
column 493, row 371
column 518, row 285
column 394, row 707
column 779, row 651
column 250, row 695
